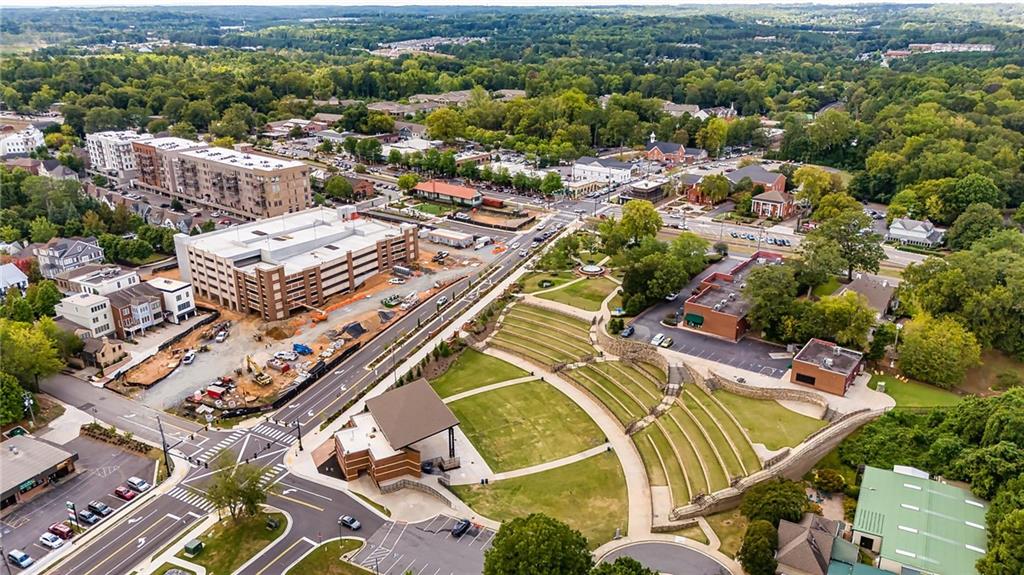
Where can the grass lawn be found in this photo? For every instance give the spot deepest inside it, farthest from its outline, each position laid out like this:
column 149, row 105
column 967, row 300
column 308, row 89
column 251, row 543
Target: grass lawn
column 768, row 422
column 531, row 281
column 913, row 393
column 525, row 424
column 167, row 567
column 827, row 288
column 586, row 294
column 474, row 369
column 591, row 257
column 433, row 209
column 693, row 532
column 730, row 527
column 589, row 495
column 229, row 544
column 326, row 560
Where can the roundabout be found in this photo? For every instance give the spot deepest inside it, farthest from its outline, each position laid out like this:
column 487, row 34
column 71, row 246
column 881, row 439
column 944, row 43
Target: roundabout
column 669, row 558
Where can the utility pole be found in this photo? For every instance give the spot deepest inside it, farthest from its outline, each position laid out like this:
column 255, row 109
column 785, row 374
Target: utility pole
column 163, row 444
column 27, row 400
column 298, row 433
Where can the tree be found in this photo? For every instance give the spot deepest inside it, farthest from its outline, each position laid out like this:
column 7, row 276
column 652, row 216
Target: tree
column 226, row 141
column 16, row 307
column 236, row 488
column 28, row 354
column 819, row 260
column 829, row 480
column 883, row 336
column 715, row 188
column 406, row 182
column 46, row 297
column 41, row 230
column 339, row 188
column 772, row 501
column 972, row 189
column 757, row 552
column 92, row 225
column 939, row 351
column 861, row 251
column 12, row 400
column 978, row 221
column 446, row 125
column 120, row 221
column 814, row 184
column 551, row 183
column 712, row 136
column 537, row 545
column 394, row 156
column 845, row 319
column 640, row 220
column 622, row 566
column 771, row 291
column 832, row 204
column 1005, row 555
column 66, row 343
column 183, row 130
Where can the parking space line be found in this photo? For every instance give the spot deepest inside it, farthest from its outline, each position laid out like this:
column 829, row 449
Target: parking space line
column 432, row 520
column 388, row 570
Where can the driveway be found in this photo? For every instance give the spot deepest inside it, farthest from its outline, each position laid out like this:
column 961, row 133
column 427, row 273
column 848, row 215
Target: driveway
column 669, row 558
column 426, row 548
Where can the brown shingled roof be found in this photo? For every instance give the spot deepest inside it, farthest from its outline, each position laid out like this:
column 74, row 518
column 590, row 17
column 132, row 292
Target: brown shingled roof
column 410, row 413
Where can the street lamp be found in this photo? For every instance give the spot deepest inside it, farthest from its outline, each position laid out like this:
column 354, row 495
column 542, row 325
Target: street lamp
column 298, row 433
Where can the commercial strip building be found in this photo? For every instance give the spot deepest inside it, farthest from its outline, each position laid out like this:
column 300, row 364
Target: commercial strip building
column 826, row 366
column 651, row 190
column 450, row 238
column 439, row 191
column 918, row 525
column 279, row 266
column 381, row 441
column 608, row 170
column 29, row 466
column 719, row 307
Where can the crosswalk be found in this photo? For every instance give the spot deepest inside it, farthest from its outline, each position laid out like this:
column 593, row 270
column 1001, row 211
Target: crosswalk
column 212, row 452
column 269, row 475
column 279, row 434
column 192, row 498
column 375, row 556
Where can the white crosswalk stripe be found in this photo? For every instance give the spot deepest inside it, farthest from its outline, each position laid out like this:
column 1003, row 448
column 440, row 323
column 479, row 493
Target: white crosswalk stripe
column 212, row 452
column 276, row 433
column 376, row 555
column 192, row 498
column 269, row 475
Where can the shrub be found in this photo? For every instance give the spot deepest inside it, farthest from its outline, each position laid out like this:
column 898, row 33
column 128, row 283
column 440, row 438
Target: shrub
column 829, row 480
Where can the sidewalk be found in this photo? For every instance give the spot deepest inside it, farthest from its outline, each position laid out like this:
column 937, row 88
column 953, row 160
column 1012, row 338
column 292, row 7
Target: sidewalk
column 553, row 464
column 491, row 387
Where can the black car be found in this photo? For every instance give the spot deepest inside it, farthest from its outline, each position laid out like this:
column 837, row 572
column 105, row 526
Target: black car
column 461, row 527
column 88, row 517
column 100, row 508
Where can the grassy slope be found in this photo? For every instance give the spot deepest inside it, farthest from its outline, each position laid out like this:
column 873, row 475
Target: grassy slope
column 768, row 422
column 474, row 369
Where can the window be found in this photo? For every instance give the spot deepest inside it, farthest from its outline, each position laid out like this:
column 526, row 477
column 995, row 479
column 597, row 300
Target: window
column 805, row 379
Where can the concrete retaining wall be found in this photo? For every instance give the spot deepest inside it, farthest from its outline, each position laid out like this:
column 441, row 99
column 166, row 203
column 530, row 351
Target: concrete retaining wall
column 409, row 484
column 775, row 393
column 630, row 350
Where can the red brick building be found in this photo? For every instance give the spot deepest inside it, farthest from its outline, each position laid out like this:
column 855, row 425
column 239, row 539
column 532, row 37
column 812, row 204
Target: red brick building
column 826, row 366
column 718, row 307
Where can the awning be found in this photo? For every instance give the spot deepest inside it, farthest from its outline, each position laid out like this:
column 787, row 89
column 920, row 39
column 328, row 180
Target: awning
column 693, row 319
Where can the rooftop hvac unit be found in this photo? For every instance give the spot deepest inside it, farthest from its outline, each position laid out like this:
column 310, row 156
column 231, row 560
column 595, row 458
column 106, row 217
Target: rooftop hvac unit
column 718, row 307
column 827, row 362
column 837, row 350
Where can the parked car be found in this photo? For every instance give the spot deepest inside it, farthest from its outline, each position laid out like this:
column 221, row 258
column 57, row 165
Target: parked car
column 514, row 246
column 190, row 356
column 627, row 331
column 350, row 522
column 657, row 339
column 88, row 517
column 461, row 527
column 302, row 349
column 523, row 253
column 124, row 493
column 734, row 234
column 62, row 530
column 286, row 355
column 667, row 342
column 50, row 540
column 137, row 484
column 221, row 336
column 100, row 508
column 396, row 281
column 19, row 558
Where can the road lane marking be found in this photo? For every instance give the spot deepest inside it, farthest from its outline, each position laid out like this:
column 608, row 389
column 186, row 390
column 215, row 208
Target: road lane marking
column 299, row 501
column 289, row 486
column 282, row 554
column 134, row 540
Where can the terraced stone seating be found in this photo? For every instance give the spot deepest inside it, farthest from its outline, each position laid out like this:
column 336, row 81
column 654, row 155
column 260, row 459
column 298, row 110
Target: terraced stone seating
column 543, row 336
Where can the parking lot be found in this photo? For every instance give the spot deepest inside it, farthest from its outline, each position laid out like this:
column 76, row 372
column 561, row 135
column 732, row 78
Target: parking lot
column 100, row 468
column 426, row 548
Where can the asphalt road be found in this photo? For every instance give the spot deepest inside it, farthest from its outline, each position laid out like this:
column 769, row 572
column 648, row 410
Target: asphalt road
column 669, row 558
column 314, row 508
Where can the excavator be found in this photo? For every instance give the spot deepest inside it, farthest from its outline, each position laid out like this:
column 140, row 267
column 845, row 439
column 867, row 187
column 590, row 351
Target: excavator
column 254, row 368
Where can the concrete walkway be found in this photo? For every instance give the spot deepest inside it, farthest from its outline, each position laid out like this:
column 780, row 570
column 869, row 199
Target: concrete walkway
column 491, row 387
column 553, row 464
column 637, row 487
column 713, row 541
column 559, row 307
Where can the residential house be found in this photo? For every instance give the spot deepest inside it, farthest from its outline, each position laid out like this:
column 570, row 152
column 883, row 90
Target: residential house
column 63, row 254
column 455, row 98
column 12, row 278
column 691, row 188
column 179, row 301
column 12, row 248
column 805, row 548
column 102, row 352
column 507, row 95
column 136, row 309
column 47, row 168
column 723, row 112
column 773, row 204
column 98, row 279
column 326, row 118
column 398, row 111
column 915, row 233
column 88, row 311
column 603, row 170
column 283, row 128
column 406, row 130
column 878, row 291
column 672, row 153
column 826, row 366
column 361, row 189
column 679, row 110
column 448, row 193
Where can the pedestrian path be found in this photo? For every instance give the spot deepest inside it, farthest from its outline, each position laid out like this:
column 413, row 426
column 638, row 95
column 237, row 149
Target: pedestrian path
column 211, row 453
column 280, row 434
column 553, row 464
column 269, row 475
column 192, row 498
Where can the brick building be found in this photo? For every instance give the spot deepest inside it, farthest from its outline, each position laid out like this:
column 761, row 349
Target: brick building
column 718, row 307
column 826, row 366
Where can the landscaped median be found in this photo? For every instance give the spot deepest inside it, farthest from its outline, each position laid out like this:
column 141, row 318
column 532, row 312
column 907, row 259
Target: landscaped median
column 327, row 560
column 232, row 542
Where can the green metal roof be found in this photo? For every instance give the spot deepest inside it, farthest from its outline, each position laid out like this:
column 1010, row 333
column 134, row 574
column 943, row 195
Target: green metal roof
column 925, row 524
column 840, row 568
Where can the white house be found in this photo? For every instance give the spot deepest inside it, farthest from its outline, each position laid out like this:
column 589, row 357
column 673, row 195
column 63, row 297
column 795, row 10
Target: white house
column 179, row 301
column 12, row 277
column 609, row 170
column 20, row 143
column 90, row 311
column 915, row 233
column 98, row 279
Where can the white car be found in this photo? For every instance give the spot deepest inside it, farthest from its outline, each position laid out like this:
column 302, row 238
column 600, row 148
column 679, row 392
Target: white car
column 396, row 281
column 657, row 339
column 50, row 540
column 515, row 245
column 286, row 355
column 137, row 484
column 190, row 356
column 523, row 253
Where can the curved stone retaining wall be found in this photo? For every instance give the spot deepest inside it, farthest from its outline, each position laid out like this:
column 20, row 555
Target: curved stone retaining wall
column 776, row 393
column 630, row 350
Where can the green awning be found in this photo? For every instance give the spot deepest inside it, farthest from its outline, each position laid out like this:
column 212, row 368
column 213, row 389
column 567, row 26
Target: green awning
column 693, row 319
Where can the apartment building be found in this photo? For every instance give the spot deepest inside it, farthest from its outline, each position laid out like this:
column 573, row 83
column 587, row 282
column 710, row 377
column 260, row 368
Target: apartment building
column 89, row 311
column 19, row 142
column 99, row 279
column 243, row 184
column 283, row 265
column 159, row 164
column 60, row 255
column 111, row 152
column 179, row 301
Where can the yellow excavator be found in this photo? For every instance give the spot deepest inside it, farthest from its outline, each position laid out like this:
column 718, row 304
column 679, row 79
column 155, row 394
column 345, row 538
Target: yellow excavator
column 254, row 368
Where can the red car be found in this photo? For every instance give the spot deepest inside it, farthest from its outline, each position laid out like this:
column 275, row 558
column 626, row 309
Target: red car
column 61, row 530
column 124, row 492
